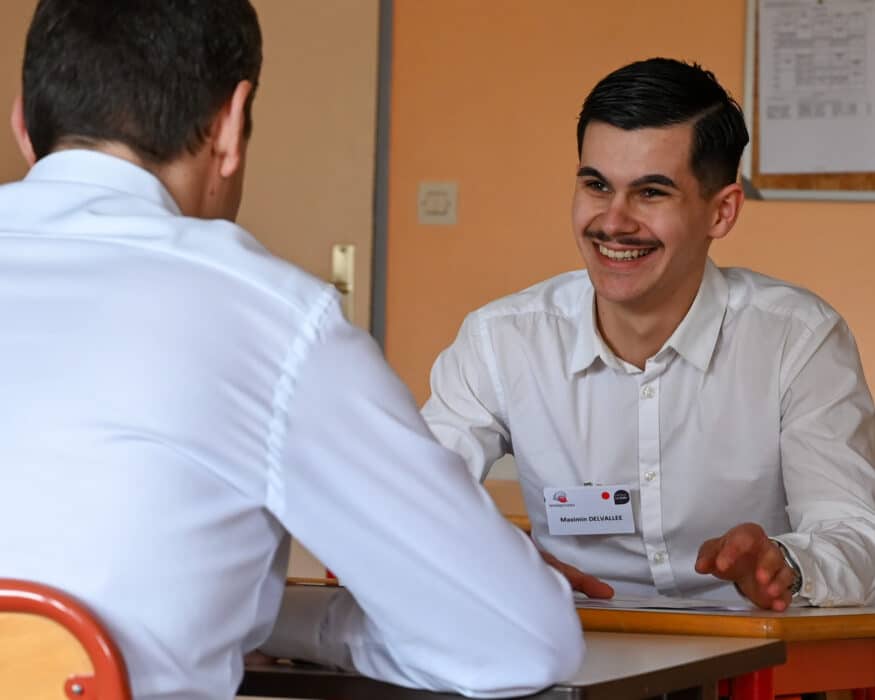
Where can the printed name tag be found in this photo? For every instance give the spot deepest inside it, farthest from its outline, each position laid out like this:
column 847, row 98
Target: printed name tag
column 589, row 510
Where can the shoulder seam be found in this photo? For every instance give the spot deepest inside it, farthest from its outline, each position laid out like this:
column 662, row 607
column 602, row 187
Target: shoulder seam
column 489, row 359
column 283, row 394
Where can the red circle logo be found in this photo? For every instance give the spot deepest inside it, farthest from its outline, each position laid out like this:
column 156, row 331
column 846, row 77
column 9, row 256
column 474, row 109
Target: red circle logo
column 605, row 495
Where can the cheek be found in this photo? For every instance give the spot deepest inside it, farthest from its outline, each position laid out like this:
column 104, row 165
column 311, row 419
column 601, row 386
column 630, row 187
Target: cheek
column 688, row 240
column 582, row 213
column 668, row 223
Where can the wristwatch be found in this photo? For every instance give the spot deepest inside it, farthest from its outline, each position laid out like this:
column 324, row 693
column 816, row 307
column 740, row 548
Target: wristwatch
column 796, row 586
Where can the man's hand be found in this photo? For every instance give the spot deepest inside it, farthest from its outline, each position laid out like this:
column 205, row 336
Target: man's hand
column 585, row 583
column 256, row 658
column 747, row 557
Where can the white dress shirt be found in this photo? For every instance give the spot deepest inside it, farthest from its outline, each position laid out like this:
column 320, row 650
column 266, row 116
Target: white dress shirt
column 175, row 400
column 754, row 410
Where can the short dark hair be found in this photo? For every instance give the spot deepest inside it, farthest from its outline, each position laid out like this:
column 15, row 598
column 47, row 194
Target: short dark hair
column 661, row 92
column 151, row 74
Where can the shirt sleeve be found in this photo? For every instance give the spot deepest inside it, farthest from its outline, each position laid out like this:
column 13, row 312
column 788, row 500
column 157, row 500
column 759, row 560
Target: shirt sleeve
column 827, row 451
column 464, row 410
column 440, row 591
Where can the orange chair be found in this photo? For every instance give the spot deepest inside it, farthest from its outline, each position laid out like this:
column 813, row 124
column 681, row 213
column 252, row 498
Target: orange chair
column 33, row 603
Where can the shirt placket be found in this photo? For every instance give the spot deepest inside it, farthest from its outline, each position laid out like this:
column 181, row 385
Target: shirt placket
column 650, row 478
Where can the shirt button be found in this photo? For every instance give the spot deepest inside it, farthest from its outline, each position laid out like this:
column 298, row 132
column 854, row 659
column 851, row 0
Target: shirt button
column 659, row 557
column 647, row 392
column 650, row 476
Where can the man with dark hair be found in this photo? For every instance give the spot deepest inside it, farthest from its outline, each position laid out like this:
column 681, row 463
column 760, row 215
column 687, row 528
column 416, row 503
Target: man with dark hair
column 175, row 400
column 726, row 411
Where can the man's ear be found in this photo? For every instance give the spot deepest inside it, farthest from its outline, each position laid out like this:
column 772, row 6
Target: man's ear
column 19, row 131
column 726, row 208
column 228, row 137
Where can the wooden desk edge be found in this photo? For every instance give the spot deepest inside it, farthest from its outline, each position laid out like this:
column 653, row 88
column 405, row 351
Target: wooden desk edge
column 304, row 581
column 716, row 625
column 788, row 628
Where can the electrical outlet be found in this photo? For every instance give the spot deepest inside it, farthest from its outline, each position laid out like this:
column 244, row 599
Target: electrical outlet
column 438, row 202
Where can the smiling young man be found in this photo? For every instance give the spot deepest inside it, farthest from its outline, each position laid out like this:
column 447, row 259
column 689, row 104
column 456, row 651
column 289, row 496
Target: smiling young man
column 725, row 411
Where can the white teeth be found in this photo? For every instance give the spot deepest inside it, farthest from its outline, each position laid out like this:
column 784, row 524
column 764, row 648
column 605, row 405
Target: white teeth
column 624, row 254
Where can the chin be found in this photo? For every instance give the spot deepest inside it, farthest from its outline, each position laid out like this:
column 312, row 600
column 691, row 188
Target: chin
column 619, row 290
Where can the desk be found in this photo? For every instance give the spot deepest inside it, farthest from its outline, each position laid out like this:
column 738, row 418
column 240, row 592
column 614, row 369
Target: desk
column 616, row 667
column 827, row 648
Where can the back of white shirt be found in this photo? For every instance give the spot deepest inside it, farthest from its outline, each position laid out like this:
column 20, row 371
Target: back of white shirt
column 173, row 401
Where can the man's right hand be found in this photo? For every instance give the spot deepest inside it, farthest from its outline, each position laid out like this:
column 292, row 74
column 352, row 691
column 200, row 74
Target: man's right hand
column 585, row 583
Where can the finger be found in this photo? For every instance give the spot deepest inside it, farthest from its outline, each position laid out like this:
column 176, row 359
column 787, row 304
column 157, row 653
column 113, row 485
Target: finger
column 256, row 658
column 770, row 562
column 762, row 598
column 782, row 602
column 707, row 555
column 781, row 582
column 585, row 583
column 551, row 560
column 591, row 586
column 735, row 546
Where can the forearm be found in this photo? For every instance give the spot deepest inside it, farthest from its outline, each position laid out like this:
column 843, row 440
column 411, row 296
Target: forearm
column 326, row 625
column 828, row 453
column 442, row 592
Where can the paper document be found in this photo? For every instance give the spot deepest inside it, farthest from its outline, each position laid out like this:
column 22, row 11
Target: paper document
column 816, row 86
column 660, row 603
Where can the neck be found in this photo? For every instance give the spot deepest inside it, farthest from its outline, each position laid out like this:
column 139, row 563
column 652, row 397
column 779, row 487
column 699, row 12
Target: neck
column 636, row 338
column 637, row 334
column 182, row 177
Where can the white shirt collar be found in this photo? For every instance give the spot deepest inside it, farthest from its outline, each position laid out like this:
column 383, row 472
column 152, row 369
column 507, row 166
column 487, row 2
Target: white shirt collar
column 694, row 339
column 90, row 167
column 696, row 336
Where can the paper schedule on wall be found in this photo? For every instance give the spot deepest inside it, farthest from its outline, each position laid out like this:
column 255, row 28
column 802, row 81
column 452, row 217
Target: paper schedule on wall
column 816, row 86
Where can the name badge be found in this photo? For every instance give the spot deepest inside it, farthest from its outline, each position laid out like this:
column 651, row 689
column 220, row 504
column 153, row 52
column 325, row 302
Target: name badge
column 589, row 510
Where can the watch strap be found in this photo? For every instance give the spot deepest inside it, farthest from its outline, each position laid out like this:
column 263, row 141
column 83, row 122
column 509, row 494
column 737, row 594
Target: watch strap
column 796, row 586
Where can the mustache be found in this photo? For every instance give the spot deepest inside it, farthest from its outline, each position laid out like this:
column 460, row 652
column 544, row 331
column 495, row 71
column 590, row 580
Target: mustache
column 602, row 237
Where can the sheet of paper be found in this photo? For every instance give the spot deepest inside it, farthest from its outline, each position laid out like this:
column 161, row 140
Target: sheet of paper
column 816, row 86
column 659, row 603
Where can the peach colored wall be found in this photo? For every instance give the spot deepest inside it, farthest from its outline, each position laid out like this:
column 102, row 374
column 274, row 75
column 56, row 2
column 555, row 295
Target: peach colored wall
column 310, row 173
column 309, row 179
column 15, row 17
column 487, row 93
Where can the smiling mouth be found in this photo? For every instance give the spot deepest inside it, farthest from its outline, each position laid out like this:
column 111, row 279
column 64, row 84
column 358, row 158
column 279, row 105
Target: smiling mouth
column 623, row 254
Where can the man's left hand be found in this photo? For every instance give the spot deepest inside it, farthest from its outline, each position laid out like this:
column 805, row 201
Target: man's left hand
column 256, row 658
column 747, row 557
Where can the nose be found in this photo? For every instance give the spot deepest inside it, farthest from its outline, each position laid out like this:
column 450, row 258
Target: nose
column 617, row 219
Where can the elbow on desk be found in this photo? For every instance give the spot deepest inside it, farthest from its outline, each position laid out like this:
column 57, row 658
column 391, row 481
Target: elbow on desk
column 527, row 668
column 541, row 646
column 560, row 659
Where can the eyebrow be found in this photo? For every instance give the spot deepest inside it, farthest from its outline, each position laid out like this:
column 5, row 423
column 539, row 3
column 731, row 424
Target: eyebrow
column 654, row 179
column 587, row 171
column 651, row 179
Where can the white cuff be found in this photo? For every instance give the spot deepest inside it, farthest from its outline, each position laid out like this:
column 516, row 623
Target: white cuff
column 796, row 543
column 300, row 624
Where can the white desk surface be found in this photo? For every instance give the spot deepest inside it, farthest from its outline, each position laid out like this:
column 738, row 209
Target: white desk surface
column 615, row 655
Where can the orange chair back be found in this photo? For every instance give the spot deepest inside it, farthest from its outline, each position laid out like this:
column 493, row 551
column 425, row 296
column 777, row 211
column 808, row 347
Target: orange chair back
column 43, row 630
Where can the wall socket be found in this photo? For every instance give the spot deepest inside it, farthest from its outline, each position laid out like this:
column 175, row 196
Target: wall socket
column 438, row 202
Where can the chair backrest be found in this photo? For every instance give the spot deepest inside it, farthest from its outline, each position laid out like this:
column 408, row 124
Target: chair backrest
column 27, row 642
